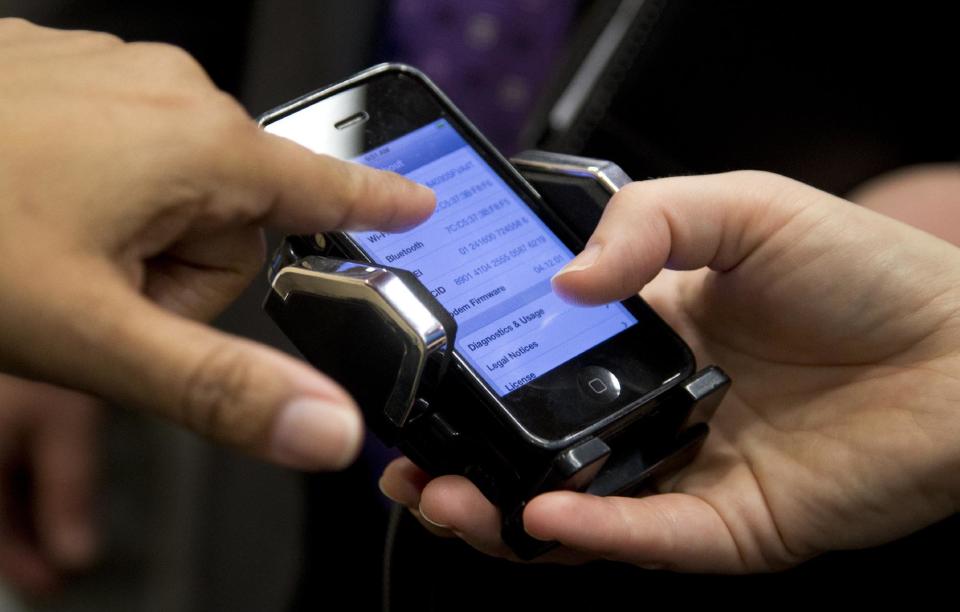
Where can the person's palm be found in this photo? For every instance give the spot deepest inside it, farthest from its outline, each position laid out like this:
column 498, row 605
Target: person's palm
column 840, row 329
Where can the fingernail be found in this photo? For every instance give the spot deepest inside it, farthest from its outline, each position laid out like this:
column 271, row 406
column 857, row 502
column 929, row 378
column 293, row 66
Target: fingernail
column 75, row 546
column 587, row 257
column 384, row 492
column 313, row 434
column 536, row 537
column 430, row 520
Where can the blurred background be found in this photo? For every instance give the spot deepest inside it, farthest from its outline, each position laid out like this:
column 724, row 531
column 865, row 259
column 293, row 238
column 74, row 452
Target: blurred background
column 833, row 94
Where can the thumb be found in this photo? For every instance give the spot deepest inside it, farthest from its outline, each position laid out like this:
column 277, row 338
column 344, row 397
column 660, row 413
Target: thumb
column 683, row 223
column 223, row 387
column 237, row 391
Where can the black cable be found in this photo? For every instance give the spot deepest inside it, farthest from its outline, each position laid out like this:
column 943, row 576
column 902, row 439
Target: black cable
column 389, row 541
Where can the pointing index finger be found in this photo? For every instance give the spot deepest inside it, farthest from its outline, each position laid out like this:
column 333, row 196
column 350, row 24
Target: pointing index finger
column 683, row 223
column 317, row 192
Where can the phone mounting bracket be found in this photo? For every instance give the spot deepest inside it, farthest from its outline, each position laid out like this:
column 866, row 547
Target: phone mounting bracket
column 380, row 333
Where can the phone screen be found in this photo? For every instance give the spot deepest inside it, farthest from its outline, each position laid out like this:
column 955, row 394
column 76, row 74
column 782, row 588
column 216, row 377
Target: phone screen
column 488, row 259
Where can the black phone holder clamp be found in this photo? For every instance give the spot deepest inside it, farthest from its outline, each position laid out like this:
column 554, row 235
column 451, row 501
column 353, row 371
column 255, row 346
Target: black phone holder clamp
column 381, row 334
column 375, row 329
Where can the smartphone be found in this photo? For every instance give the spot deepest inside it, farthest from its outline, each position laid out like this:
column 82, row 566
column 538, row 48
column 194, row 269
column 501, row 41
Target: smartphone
column 556, row 369
column 541, row 393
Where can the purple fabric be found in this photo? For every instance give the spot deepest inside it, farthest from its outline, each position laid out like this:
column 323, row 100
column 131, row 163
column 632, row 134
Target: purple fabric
column 490, row 56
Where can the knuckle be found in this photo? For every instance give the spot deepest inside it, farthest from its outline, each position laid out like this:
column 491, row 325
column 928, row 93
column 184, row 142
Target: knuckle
column 231, row 124
column 99, row 39
column 108, row 40
column 357, row 185
column 229, row 108
column 219, row 127
column 16, row 24
column 222, row 115
column 630, row 195
column 216, row 397
column 755, row 175
column 761, row 179
column 760, row 190
column 223, row 126
column 166, row 60
column 355, row 188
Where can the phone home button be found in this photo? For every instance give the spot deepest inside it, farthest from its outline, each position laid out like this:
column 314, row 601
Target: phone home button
column 599, row 384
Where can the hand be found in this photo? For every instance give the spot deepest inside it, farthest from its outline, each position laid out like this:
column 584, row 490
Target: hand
column 48, row 452
column 132, row 195
column 841, row 331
